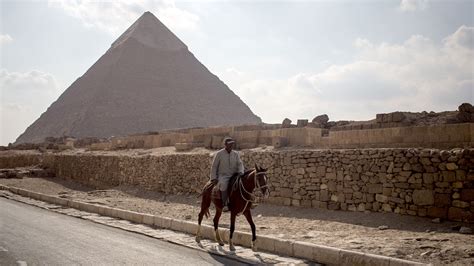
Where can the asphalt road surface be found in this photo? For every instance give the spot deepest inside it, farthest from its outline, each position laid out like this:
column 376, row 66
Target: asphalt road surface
column 34, row 236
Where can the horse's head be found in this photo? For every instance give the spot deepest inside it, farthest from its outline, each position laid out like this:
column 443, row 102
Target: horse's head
column 261, row 180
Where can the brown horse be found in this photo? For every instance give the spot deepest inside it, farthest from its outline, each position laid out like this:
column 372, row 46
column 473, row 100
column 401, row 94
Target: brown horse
column 241, row 196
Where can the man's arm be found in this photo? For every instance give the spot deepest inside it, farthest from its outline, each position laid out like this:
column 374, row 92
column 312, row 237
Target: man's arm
column 215, row 166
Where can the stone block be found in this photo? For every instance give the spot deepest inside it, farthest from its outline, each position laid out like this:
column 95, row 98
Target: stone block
column 286, row 192
column 428, row 178
column 438, row 212
column 331, row 176
column 89, row 208
column 326, row 255
column 111, row 212
column 349, row 257
column 449, row 176
column 303, row 250
column 266, row 243
column 295, row 202
column 467, row 194
column 457, row 214
column 333, row 205
column 460, row 204
column 451, row 166
column 375, row 188
column 302, row 122
column 442, row 200
column 148, row 219
column 423, row 197
column 122, row 214
column 60, row 201
column 381, row 198
column 185, row 226
column 306, row 203
column 284, row 247
column 386, row 207
column 460, row 175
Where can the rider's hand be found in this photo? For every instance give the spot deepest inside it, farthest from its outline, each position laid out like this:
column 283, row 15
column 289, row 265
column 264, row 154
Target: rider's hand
column 214, row 181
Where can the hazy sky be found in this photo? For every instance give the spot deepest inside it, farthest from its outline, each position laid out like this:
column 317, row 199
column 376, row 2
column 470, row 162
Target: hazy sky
column 295, row 59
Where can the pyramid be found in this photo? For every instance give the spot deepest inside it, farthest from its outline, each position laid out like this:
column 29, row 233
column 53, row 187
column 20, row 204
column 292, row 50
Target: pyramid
column 147, row 80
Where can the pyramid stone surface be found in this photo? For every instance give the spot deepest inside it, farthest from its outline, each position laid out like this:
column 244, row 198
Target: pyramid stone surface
column 147, row 81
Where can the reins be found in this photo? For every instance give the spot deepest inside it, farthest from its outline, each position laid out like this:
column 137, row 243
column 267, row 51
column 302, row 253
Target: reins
column 251, row 194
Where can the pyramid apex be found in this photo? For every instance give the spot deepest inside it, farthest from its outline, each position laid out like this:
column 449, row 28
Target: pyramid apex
column 150, row 31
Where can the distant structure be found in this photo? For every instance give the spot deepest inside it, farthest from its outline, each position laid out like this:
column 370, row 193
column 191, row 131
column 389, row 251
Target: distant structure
column 147, row 81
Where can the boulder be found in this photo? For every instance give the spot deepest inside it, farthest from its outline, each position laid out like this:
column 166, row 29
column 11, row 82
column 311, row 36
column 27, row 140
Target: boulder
column 321, row 119
column 466, row 113
column 466, row 108
column 286, row 123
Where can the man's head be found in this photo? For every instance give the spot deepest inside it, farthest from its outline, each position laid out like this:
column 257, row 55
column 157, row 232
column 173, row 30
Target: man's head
column 228, row 143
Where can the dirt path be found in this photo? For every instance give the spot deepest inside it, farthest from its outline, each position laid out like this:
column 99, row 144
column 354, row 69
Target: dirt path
column 407, row 237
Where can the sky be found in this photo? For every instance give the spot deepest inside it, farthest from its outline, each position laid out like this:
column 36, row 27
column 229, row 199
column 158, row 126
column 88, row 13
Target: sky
column 284, row 59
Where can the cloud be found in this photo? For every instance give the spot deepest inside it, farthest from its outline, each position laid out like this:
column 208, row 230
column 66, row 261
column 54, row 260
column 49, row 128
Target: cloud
column 24, row 96
column 418, row 74
column 413, row 5
column 115, row 16
column 5, row 38
column 463, row 38
column 234, row 71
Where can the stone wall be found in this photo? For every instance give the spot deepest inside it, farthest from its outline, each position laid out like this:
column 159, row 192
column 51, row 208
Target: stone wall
column 421, row 182
column 444, row 136
column 9, row 159
column 177, row 173
column 424, row 182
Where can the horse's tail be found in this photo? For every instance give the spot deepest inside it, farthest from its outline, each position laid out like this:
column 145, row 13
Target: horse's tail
column 206, row 198
column 208, row 186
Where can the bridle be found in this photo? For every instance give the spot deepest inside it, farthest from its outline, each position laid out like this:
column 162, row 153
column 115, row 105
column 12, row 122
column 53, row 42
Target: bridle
column 257, row 186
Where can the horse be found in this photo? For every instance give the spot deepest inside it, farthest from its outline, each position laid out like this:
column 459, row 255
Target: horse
column 241, row 196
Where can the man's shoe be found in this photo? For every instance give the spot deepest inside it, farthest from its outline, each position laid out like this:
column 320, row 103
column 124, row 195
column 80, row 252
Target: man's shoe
column 225, row 209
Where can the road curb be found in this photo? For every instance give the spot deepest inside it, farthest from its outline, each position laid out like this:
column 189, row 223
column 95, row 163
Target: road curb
column 319, row 253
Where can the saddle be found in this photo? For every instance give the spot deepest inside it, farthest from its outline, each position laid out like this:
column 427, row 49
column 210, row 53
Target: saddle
column 232, row 187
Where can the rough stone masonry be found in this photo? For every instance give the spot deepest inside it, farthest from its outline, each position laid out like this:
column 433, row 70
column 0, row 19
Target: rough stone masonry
column 421, row 182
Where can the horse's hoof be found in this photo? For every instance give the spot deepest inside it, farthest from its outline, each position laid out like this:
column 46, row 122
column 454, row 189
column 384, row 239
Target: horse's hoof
column 254, row 246
column 232, row 248
column 198, row 239
column 221, row 244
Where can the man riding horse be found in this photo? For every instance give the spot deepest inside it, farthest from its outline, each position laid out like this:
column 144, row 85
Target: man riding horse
column 226, row 164
column 227, row 167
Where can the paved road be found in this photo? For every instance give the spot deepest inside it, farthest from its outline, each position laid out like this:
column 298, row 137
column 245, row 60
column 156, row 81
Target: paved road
column 34, row 236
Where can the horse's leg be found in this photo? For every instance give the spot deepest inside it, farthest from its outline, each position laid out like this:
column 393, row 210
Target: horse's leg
column 205, row 204
column 232, row 228
column 248, row 215
column 216, row 226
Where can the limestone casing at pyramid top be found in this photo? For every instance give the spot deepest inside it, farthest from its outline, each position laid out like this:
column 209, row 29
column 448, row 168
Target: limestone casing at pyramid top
column 150, row 31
